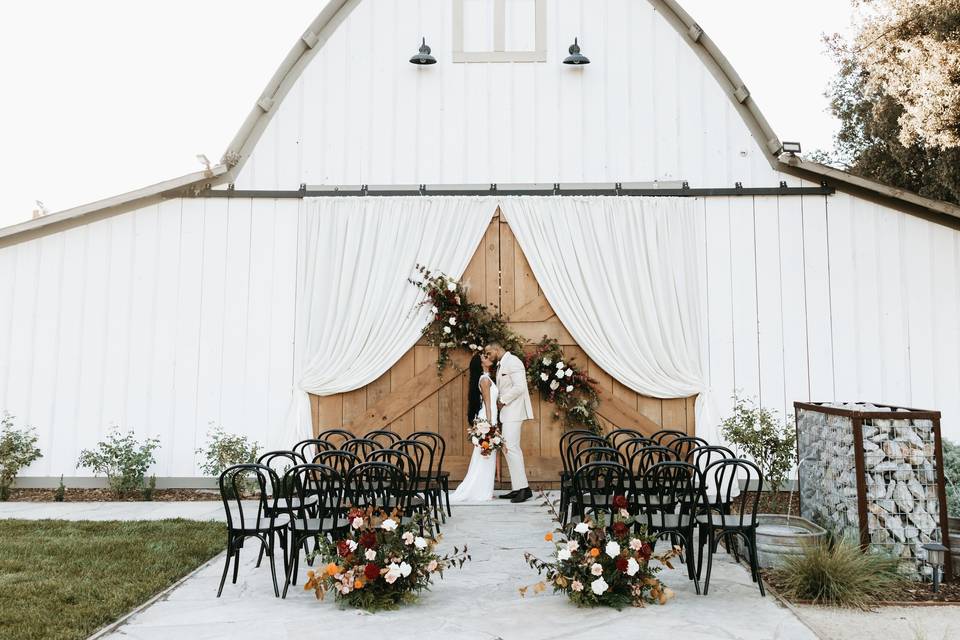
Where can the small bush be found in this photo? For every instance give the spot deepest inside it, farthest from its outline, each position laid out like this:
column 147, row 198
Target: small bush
column 224, row 450
column 18, row 448
column 951, row 473
column 60, row 492
column 122, row 459
column 761, row 435
column 838, row 574
column 150, row 488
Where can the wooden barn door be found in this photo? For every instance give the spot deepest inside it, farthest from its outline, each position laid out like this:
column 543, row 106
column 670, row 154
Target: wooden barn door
column 411, row 397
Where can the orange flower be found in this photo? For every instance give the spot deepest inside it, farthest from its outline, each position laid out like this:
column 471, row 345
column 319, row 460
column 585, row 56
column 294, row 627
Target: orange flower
column 358, row 584
column 594, row 552
column 332, row 569
column 548, row 537
column 484, row 445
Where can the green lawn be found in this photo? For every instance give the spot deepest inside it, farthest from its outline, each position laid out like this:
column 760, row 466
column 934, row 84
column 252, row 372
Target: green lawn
column 63, row 580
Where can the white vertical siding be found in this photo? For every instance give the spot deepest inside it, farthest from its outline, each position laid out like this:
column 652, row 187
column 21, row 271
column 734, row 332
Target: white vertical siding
column 646, row 109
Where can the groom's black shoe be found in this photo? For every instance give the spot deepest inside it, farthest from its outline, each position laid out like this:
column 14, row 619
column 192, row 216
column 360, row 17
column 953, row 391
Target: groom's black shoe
column 508, row 496
column 522, row 495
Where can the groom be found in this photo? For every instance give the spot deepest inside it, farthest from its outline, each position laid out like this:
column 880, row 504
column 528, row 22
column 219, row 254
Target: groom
column 514, row 407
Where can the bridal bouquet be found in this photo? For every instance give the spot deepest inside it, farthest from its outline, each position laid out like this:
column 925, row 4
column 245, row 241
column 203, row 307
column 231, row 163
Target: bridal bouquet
column 380, row 563
column 597, row 565
column 486, row 437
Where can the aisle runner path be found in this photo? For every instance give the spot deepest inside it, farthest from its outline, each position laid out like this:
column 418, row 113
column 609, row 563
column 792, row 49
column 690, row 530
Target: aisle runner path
column 481, row 601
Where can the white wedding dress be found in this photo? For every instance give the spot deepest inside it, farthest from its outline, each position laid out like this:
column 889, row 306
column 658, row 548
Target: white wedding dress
column 477, row 485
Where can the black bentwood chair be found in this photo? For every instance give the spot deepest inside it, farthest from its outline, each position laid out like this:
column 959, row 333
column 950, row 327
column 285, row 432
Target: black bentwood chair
column 308, row 449
column 319, row 485
column 683, row 446
column 440, row 482
column 673, row 486
column 361, row 447
column 384, row 437
column 336, row 437
column 424, row 482
column 566, row 473
column 665, row 436
column 618, row 436
column 595, row 485
column 377, row 484
column 262, row 522
column 740, row 520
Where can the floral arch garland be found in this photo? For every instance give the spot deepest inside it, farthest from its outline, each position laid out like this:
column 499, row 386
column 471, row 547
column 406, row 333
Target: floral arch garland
column 461, row 324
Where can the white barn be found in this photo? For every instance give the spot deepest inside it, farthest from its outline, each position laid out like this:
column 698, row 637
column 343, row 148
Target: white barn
column 164, row 309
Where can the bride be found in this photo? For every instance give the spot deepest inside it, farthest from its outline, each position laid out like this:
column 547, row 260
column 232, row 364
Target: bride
column 482, row 402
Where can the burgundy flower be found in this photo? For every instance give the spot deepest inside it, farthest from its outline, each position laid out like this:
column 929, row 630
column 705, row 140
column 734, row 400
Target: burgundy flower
column 368, row 539
column 371, row 571
column 343, row 548
column 646, row 551
column 619, row 502
column 622, row 564
column 619, row 529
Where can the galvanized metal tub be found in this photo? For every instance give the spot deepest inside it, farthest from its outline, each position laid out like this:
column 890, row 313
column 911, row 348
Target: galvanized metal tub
column 779, row 536
column 954, row 525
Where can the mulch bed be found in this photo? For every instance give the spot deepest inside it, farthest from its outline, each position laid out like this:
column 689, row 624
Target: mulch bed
column 105, row 495
column 767, row 503
column 910, row 593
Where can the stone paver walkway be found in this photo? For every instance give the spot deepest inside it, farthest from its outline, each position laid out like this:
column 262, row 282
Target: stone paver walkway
column 482, row 601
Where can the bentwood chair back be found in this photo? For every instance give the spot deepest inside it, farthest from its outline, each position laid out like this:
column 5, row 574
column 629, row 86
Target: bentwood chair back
column 336, row 437
column 596, row 485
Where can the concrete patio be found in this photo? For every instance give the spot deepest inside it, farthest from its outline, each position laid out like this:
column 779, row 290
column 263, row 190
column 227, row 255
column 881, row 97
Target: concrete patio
column 482, row 601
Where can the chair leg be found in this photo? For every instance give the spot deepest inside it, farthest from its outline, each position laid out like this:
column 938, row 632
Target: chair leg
column 288, row 578
column 712, row 545
column 701, row 541
column 260, row 556
column 273, row 568
column 236, row 563
column 755, row 562
column 226, row 563
column 691, row 564
column 446, row 493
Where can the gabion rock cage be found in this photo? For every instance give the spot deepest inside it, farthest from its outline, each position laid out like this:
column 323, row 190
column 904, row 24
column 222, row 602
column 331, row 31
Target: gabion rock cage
column 874, row 472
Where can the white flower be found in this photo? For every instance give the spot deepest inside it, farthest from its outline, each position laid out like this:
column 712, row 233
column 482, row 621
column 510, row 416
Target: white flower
column 434, row 310
column 451, row 286
column 432, row 566
column 569, row 388
column 636, row 544
column 370, row 554
column 632, row 567
column 407, row 537
column 475, row 440
column 473, row 347
column 613, row 549
column 563, row 554
column 577, row 586
column 582, row 527
column 453, row 321
column 447, row 330
column 544, row 377
column 547, row 362
column 483, row 428
column 497, row 440
column 596, row 569
column 393, row 572
column 560, row 365
column 559, row 373
column 405, row 569
column 573, row 545
column 420, row 543
column 352, row 544
column 357, row 522
column 554, row 385
column 599, row 586
column 568, row 373
column 389, row 524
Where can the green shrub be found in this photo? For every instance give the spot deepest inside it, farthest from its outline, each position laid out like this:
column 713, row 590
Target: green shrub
column 224, row 450
column 122, row 459
column 60, row 492
column 837, row 573
column 150, row 487
column 759, row 434
column 951, row 473
column 18, row 448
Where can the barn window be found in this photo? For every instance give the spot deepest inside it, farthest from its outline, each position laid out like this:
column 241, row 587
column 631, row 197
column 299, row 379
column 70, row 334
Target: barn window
column 500, row 30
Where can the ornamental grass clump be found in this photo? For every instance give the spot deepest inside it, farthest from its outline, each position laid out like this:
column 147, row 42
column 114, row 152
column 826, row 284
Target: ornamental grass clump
column 380, row 563
column 18, row 448
column 837, row 573
column 597, row 565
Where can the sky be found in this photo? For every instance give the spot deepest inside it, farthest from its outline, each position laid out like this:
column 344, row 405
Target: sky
column 106, row 96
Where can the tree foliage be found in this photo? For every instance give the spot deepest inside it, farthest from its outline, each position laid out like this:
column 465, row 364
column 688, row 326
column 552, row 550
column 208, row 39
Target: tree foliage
column 897, row 96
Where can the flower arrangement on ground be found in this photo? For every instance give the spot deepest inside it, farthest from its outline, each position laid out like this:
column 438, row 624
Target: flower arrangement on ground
column 603, row 566
column 461, row 324
column 380, row 563
column 486, row 437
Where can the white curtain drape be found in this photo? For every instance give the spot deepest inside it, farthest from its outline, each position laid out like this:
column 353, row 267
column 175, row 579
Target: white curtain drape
column 622, row 275
column 356, row 311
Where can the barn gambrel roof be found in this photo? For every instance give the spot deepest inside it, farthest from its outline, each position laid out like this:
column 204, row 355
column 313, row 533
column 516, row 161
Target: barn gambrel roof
column 337, row 11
